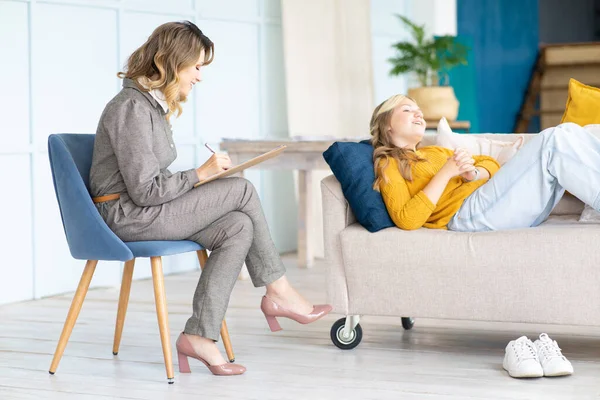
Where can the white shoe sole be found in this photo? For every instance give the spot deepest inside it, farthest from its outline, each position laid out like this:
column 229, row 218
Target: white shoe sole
column 561, row 373
column 527, row 375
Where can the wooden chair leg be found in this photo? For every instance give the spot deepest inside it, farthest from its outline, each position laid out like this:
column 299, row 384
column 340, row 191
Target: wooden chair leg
column 76, row 303
column 202, row 257
column 123, row 302
column 162, row 314
column 227, row 341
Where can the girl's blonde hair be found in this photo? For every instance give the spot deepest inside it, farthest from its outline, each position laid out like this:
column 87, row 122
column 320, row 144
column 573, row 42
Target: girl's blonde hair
column 170, row 48
column 383, row 146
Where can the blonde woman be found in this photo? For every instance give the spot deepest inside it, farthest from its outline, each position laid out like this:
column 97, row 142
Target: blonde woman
column 140, row 199
column 434, row 187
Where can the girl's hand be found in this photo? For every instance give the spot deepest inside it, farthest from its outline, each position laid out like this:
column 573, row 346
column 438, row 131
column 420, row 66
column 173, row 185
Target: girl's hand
column 218, row 162
column 464, row 159
column 469, row 175
column 452, row 168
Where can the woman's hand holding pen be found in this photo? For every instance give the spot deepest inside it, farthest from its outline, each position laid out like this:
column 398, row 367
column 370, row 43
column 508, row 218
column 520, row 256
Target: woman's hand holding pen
column 218, row 162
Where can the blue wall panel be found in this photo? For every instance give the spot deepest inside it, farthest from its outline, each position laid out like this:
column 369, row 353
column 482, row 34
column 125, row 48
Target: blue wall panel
column 463, row 79
column 505, row 45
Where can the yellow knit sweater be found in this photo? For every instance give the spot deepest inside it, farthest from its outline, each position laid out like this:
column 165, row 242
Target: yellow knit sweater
column 410, row 208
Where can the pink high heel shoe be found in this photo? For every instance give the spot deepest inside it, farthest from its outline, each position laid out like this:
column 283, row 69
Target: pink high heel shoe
column 185, row 350
column 272, row 310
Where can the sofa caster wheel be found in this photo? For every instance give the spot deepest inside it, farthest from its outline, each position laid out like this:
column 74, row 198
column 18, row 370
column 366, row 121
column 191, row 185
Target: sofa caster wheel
column 345, row 342
column 407, row 323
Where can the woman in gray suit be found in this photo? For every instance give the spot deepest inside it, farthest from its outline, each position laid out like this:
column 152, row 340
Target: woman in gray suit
column 140, row 199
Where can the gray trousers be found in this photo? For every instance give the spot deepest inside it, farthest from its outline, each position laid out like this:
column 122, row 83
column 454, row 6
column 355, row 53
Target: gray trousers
column 224, row 216
column 238, row 233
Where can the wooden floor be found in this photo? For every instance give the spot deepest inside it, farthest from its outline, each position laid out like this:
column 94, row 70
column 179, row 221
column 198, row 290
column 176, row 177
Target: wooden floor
column 435, row 360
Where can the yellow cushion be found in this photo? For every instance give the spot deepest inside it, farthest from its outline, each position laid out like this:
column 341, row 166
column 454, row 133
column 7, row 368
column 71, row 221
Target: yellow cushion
column 583, row 104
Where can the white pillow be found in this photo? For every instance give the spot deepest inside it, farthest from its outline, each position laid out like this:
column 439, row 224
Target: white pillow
column 501, row 151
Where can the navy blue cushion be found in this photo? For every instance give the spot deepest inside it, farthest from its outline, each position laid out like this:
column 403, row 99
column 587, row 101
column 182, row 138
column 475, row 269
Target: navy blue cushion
column 352, row 165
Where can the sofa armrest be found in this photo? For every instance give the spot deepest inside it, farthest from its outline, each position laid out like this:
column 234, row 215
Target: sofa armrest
column 337, row 215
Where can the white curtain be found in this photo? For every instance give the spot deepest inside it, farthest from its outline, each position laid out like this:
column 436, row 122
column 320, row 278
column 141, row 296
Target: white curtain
column 329, row 78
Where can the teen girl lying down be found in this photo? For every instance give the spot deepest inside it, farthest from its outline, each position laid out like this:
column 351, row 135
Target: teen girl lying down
column 435, row 187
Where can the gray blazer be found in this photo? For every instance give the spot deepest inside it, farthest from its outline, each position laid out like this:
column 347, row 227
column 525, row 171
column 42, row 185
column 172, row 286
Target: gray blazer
column 134, row 146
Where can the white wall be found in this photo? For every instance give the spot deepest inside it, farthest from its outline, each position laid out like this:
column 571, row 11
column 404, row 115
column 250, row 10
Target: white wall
column 329, row 78
column 439, row 18
column 59, row 61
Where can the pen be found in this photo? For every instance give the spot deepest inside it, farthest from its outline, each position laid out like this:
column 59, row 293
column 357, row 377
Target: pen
column 210, row 148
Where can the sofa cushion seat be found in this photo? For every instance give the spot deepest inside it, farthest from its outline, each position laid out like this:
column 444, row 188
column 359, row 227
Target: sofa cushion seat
column 522, row 275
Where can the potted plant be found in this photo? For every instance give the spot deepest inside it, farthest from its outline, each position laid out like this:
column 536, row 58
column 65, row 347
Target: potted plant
column 429, row 59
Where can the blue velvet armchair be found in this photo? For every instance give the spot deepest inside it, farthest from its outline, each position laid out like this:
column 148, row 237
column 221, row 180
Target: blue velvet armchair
column 89, row 238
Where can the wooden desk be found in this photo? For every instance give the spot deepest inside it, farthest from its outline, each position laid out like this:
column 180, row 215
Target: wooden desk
column 302, row 155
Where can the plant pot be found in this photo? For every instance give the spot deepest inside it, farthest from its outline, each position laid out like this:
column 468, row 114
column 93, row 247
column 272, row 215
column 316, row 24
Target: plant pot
column 436, row 102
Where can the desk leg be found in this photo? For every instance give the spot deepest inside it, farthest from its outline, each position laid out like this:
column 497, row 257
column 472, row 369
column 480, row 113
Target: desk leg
column 305, row 251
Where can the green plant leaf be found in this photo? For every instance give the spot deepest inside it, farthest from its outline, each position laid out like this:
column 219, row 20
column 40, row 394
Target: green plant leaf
column 426, row 58
column 418, row 31
column 406, row 47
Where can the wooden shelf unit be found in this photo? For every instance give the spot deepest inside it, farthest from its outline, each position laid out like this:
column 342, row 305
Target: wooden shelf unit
column 549, row 81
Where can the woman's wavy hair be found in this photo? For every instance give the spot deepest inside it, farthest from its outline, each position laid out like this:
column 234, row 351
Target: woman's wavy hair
column 170, row 48
column 383, row 146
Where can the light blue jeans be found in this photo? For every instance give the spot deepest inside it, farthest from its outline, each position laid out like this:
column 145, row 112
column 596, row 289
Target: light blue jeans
column 525, row 190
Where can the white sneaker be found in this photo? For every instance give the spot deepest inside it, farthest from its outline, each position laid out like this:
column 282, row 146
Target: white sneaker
column 551, row 359
column 521, row 360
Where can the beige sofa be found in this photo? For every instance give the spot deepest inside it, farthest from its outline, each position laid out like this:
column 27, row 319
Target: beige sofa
column 546, row 274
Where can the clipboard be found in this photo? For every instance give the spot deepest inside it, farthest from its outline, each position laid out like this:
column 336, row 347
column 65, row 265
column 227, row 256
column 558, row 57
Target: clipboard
column 247, row 164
